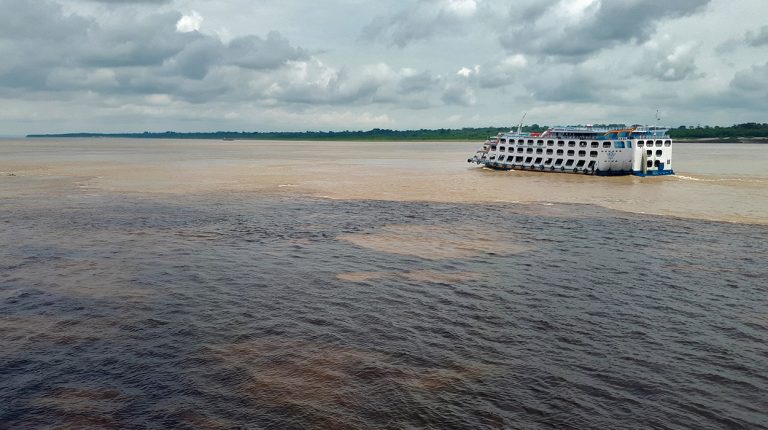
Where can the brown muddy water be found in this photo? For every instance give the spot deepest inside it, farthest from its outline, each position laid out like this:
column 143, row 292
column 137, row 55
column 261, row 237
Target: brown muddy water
column 203, row 284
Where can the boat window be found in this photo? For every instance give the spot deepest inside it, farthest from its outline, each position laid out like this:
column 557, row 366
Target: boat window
column 593, row 154
column 571, row 143
column 493, row 157
column 583, row 144
column 539, row 142
column 539, row 151
column 667, row 143
column 559, row 152
column 595, row 144
column 560, row 143
column 510, row 158
column 649, row 152
column 591, row 163
column 629, row 144
column 503, row 149
column 519, row 159
column 658, row 143
column 550, row 151
column 649, row 163
column 538, row 161
column 530, row 141
column 618, row 144
column 529, row 150
column 569, row 163
column 606, row 144
column 520, row 150
column 658, row 152
column 656, row 163
column 550, row 142
column 570, row 152
column 582, row 153
column 548, row 162
column 559, row 162
column 581, row 163
column 503, row 140
column 528, row 160
column 640, row 144
column 521, row 141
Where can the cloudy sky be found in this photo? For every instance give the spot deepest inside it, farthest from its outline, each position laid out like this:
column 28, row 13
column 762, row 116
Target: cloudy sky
column 194, row 65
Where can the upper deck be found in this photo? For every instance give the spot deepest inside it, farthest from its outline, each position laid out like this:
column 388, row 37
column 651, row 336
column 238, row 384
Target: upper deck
column 596, row 133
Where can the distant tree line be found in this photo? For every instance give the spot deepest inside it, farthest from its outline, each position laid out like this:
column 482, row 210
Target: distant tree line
column 750, row 129
column 375, row 134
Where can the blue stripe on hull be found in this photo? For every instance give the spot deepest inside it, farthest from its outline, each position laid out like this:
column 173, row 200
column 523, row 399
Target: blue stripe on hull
column 654, row 173
column 504, row 166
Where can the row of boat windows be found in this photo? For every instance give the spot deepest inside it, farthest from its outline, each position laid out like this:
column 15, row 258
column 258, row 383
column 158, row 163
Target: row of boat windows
column 650, row 143
column 550, row 151
column 571, row 152
column 583, row 144
column 559, row 162
column 549, row 161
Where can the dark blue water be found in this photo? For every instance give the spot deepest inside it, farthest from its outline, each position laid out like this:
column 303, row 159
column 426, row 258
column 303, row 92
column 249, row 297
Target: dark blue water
column 231, row 311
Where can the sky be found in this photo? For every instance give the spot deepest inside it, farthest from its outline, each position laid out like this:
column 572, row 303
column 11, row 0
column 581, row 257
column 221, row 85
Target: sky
column 294, row 65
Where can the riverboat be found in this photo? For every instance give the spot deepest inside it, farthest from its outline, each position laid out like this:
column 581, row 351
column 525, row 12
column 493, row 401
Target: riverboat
column 636, row 150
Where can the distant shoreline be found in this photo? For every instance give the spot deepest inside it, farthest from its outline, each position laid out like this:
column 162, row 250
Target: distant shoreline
column 741, row 133
column 745, row 140
column 465, row 134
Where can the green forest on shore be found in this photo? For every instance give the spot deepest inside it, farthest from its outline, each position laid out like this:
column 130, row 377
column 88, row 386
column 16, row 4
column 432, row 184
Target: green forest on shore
column 735, row 133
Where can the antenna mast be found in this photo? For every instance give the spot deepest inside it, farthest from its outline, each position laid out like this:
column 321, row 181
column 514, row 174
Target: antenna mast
column 520, row 126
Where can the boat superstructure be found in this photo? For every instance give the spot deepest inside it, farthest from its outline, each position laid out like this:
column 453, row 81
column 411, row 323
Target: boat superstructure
column 636, row 150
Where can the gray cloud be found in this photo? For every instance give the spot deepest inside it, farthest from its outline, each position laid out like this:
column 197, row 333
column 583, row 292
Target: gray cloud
column 148, row 41
column 753, row 81
column 573, row 31
column 496, row 74
column 417, row 82
column 752, row 38
column 125, row 54
column 115, row 64
column 457, row 94
column 39, row 21
column 673, row 64
column 131, row 1
column 252, row 52
column 572, row 83
column 757, row 38
column 420, row 21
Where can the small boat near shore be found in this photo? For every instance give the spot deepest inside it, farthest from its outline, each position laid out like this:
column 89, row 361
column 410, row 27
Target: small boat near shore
column 636, row 150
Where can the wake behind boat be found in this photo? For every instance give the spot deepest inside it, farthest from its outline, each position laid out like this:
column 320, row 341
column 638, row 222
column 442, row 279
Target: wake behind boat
column 638, row 150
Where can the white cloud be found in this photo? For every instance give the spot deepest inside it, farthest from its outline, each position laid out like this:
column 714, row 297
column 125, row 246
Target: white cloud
column 461, row 8
column 189, row 23
column 467, row 72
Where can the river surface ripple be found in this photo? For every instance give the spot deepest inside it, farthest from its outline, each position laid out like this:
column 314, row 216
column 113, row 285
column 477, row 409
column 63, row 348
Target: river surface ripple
column 219, row 311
